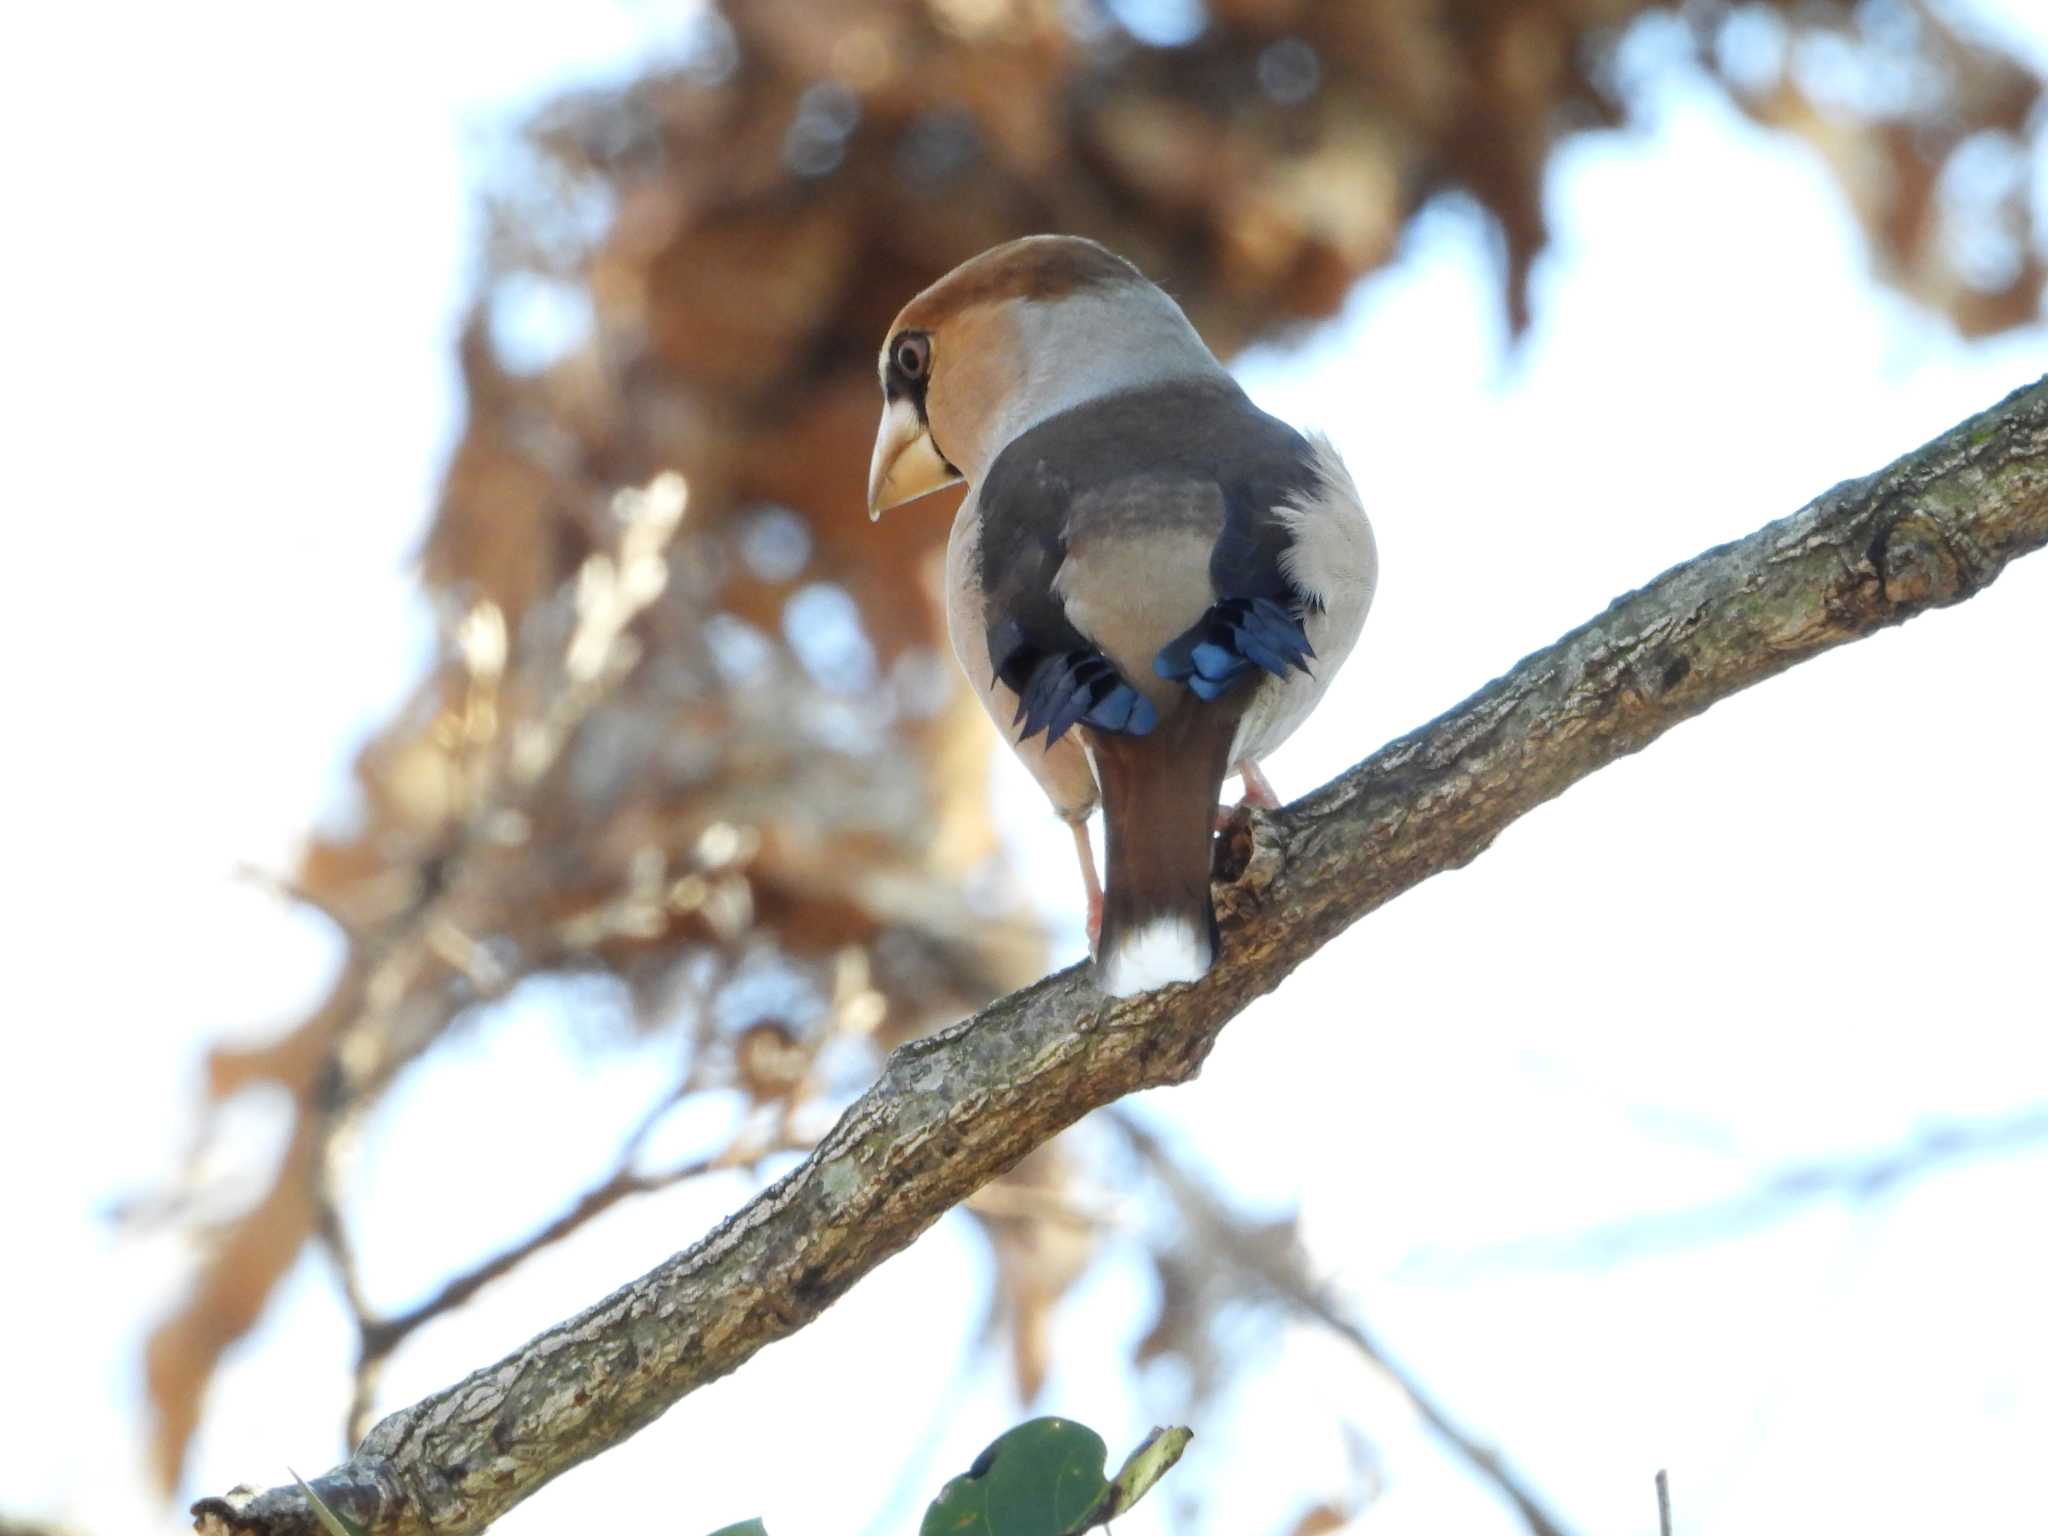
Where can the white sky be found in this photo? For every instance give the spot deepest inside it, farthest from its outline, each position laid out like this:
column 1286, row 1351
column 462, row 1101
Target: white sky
column 1801, row 927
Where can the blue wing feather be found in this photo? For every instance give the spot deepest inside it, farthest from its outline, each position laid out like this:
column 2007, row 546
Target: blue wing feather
column 1236, row 637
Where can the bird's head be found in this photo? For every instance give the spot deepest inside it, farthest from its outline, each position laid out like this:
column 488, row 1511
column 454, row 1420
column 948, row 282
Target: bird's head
column 1008, row 339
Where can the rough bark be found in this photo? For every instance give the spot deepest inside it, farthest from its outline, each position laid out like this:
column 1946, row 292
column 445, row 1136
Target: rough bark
column 953, row 1111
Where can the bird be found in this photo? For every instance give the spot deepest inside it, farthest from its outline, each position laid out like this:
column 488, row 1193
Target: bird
column 1150, row 582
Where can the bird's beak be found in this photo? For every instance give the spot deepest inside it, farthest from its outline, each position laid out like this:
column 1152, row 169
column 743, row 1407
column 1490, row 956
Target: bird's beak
column 906, row 464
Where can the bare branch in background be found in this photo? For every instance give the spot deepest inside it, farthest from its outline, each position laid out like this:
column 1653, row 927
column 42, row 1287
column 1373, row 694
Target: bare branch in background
column 379, row 1336
column 1278, row 1268
column 776, row 1068
column 1785, row 1194
column 956, row 1109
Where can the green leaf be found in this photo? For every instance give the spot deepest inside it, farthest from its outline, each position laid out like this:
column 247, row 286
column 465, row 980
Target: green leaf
column 1151, row 1461
column 1040, row 1479
column 337, row 1524
column 752, row 1527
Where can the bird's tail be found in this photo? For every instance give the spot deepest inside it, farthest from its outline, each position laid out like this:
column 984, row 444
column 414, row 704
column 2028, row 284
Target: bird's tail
column 1159, row 813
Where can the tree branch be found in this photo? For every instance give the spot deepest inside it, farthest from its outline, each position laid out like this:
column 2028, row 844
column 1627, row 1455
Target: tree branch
column 952, row 1111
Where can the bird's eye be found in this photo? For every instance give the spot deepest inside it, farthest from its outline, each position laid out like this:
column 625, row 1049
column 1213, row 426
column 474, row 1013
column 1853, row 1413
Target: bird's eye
column 912, row 354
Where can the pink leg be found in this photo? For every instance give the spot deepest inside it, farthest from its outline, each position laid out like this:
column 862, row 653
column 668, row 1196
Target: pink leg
column 1258, row 789
column 1089, row 882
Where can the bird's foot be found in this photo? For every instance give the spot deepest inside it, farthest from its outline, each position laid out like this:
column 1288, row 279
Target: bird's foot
column 1258, row 795
column 1258, row 789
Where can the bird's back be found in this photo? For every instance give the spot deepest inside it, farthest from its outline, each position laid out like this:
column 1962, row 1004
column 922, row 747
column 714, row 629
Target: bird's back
column 1119, row 525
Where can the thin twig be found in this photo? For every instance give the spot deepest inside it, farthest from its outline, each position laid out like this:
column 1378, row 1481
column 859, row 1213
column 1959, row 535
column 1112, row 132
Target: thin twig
column 1663, row 1503
column 1020, row 1202
column 1782, row 1195
column 1281, row 1271
column 380, row 1336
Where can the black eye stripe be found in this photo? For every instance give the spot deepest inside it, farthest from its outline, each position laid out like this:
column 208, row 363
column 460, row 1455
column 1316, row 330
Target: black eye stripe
column 906, row 374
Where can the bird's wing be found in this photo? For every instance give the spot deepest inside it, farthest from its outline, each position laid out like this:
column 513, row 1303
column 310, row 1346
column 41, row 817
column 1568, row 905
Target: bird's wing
column 1061, row 767
column 1133, row 557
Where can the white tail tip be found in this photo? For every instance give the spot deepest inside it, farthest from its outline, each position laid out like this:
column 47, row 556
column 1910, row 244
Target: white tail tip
column 1154, row 955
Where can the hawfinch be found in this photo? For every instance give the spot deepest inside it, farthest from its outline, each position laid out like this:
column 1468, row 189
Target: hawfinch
column 1150, row 582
